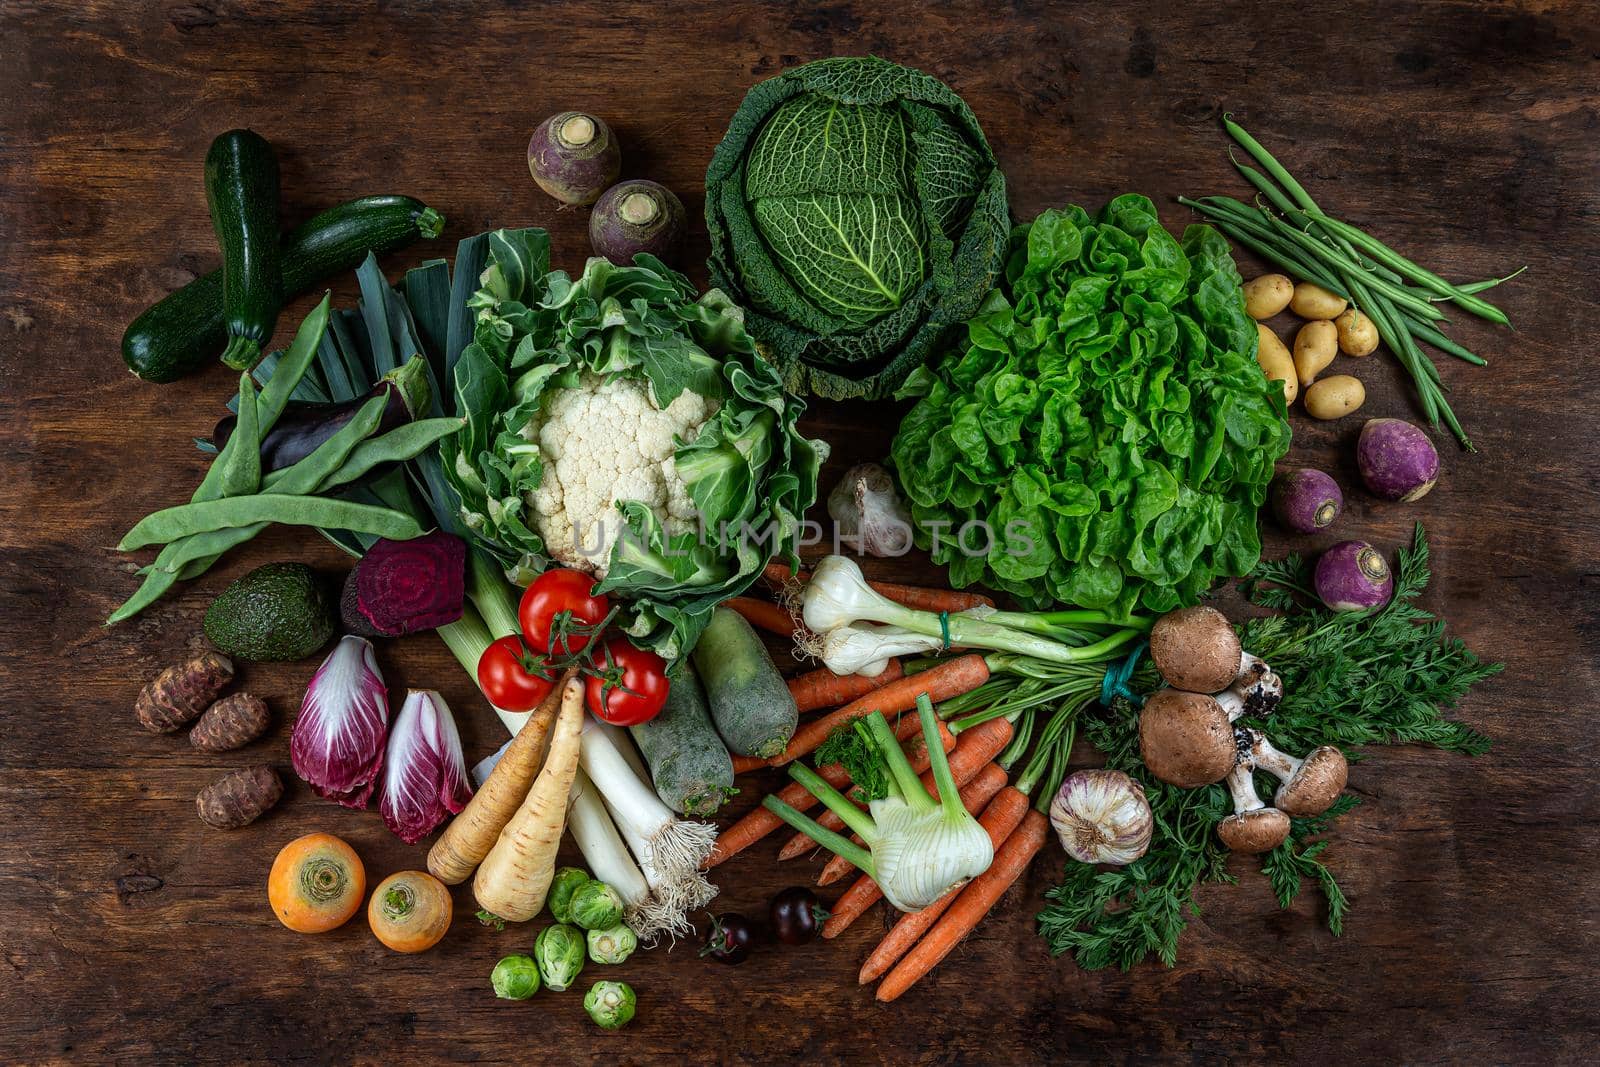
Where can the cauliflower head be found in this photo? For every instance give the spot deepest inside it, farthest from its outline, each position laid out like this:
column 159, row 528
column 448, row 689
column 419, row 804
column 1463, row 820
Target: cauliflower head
column 605, row 441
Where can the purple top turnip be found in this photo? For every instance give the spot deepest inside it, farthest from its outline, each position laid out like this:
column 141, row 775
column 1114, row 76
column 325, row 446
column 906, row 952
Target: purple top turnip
column 1306, row 501
column 1397, row 460
column 574, row 157
column 1353, row 576
column 634, row 217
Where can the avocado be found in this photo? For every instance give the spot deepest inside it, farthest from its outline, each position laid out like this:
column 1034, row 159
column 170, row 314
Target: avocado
column 278, row 612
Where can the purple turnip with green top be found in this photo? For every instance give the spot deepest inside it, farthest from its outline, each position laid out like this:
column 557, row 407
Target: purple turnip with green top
column 636, row 216
column 1306, row 500
column 574, row 157
column 1397, row 460
column 1353, row 576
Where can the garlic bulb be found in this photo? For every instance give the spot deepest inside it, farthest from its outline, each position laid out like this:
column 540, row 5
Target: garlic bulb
column 870, row 514
column 1102, row 817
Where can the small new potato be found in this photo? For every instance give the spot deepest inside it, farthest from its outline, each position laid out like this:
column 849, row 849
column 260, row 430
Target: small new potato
column 1314, row 302
column 1267, row 295
column 1314, row 348
column 1335, row 397
column 1357, row 334
column 1277, row 364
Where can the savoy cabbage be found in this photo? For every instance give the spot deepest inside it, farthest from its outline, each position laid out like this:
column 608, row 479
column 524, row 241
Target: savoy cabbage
column 858, row 214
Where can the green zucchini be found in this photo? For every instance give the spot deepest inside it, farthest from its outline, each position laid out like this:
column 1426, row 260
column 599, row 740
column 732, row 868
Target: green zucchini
column 688, row 761
column 182, row 332
column 242, row 193
column 750, row 704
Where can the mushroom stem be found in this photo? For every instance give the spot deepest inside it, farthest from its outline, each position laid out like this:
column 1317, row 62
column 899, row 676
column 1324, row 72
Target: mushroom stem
column 1242, row 787
column 1258, row 687
column 1231, row 703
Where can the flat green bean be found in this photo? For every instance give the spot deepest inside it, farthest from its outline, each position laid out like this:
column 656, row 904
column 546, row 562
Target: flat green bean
column 241, row 466
column 187, row 520
column 293, row 364
column 400, row 444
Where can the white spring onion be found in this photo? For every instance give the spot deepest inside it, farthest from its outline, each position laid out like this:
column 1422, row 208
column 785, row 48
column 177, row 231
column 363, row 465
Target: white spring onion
column 863, row 648
column 917, row 848
column 838, row 595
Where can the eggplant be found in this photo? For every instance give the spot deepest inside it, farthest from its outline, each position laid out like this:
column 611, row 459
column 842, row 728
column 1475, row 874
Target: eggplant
column 304, row 425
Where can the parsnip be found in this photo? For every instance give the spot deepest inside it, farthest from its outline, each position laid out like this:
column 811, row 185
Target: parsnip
column 513, row 879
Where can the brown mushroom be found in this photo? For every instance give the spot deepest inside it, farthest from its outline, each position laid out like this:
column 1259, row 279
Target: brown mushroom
column 1195, row 649
column 1186, row 739
column 1310, row 785
column 1253, row 827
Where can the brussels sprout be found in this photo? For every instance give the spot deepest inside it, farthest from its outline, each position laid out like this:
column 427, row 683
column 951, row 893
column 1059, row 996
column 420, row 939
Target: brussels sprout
column 610, row 1004
column 568, row 880
column 515, row 978
column 612, row 945
column 596, row 906
column 559, row 950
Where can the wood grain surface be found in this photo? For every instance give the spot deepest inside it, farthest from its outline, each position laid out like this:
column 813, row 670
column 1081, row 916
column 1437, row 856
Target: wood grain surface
column 1466, row 132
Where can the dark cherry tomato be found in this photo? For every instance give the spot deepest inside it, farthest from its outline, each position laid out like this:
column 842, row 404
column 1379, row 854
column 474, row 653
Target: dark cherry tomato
column 559, row 614
column 729, row 940
column 797, row 916
column 512, row 677
column 626, row 685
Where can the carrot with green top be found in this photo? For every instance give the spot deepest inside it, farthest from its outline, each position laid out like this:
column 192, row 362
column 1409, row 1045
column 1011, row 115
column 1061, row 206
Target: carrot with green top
column 948, row 679
column 822, row 688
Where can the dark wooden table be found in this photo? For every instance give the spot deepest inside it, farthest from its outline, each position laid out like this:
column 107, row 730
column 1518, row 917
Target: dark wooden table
column 1468, row 132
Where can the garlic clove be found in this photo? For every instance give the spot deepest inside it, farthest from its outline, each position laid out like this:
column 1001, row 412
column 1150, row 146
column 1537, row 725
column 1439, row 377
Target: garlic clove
column 1102, row 816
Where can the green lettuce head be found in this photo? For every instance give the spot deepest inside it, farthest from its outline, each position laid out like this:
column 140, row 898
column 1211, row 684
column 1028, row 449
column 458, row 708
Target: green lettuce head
column 857, row 212
column 620, row 424
column 1103, row 436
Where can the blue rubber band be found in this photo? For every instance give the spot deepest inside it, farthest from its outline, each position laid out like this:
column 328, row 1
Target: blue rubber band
column 944, row 629
column 1115, row 683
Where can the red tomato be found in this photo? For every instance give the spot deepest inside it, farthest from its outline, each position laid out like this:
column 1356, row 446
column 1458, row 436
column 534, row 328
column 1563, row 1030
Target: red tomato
column 558, row 613
column 512, row 677
column 629, row 684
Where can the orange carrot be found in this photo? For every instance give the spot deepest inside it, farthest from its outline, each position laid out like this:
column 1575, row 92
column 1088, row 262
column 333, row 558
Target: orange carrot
column 974, row 749
column 917, row 756
column 949, row 679
column 915, row 596
column 746, row 764
column 854, row 902
column 822, row 688
column 976, row 789
column 781, row 575
column 976, row 899
column 760, row 822
column 762, row 615
column 1000, row 818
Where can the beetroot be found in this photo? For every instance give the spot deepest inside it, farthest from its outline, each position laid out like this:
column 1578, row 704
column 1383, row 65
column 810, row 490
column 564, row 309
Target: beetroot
column 1396, row 459
column 1306, row 501
column 634, row 217
column 403, row 587
column 1353, row 576
column 574, row 157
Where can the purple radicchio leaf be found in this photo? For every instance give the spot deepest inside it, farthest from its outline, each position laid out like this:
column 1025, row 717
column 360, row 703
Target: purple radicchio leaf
column 426, row 775
column 338, row 739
